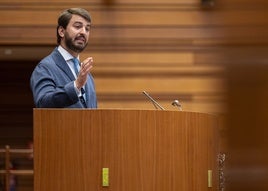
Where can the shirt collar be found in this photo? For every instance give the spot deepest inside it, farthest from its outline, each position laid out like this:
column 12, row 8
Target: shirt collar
column 66, row 55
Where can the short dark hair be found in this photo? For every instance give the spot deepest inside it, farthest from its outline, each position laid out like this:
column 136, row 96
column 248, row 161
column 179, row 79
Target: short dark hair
column 66, row 16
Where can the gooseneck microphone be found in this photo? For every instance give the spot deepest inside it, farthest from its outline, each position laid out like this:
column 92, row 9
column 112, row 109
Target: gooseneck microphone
column 177, row 104
column 156, row 105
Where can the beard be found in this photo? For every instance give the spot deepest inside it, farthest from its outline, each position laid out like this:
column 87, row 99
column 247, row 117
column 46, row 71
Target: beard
column 72, row 46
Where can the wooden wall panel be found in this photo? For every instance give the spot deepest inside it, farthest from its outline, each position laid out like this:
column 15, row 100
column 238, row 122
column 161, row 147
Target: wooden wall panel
column 132, row 43
column 137, row 17
column 117, row 2
column 246, row 144
column 247, row 127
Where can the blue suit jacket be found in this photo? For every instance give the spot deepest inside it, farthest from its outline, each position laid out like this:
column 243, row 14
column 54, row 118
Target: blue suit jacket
column 52, row 84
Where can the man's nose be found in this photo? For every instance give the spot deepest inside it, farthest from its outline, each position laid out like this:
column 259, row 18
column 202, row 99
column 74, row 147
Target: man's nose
column 83, row 30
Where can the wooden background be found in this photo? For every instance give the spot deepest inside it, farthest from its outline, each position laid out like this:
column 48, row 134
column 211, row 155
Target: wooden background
column 166, row 48
column 173, row 49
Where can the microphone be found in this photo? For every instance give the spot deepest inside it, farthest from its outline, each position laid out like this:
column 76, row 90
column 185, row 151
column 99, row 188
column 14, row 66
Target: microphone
column 156, row 105
column 177, row 104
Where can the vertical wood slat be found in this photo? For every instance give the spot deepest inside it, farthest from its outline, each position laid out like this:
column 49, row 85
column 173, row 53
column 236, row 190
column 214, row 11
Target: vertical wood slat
column 7, row 165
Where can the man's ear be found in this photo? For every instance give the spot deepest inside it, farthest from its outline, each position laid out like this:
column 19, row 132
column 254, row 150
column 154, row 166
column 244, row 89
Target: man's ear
column 61, row 31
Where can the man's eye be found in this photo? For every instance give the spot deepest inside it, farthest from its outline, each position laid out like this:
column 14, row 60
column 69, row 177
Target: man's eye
column 77, row 26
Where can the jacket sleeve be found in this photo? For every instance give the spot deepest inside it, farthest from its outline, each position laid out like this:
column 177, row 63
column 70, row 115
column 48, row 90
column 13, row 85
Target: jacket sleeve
column 50, row 90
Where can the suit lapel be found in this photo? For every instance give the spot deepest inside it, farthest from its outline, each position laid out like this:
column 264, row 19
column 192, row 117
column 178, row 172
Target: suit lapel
column 61, row 63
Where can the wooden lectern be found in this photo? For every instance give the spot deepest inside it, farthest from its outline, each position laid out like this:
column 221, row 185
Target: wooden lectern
column 124, row 150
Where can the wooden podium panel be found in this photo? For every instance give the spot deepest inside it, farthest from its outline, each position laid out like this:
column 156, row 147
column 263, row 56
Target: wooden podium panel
column 144, row 150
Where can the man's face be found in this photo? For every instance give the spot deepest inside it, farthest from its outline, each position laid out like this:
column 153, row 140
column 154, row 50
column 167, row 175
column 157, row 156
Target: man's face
column 76, row 34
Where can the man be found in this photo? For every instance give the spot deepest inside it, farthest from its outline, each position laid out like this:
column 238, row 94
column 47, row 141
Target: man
column 60, row 80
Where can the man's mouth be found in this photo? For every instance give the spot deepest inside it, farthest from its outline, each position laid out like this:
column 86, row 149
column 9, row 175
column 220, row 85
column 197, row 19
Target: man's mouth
column 80, row 39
